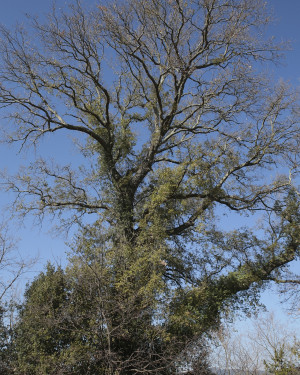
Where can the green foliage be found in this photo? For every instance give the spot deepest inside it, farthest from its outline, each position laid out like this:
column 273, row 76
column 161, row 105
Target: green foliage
column 42, row 333
column 281, row 364
column 104, row 315
column 6, row 352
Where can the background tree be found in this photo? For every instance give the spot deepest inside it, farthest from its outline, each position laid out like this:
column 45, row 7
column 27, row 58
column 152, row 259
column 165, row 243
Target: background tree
column 12, row 266
column 267, row 345
column 235, row 352
column 38, row 339
column 279, row 344
column 6, row 351
column 177, row 122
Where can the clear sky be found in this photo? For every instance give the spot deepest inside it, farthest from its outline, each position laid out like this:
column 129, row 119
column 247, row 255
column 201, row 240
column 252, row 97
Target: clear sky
column 35, row 240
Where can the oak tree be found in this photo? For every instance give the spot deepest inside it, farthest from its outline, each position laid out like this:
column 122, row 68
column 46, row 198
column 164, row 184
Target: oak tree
column 178, row 123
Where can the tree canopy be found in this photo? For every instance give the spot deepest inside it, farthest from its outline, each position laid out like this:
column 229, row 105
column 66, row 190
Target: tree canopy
column 178, row 123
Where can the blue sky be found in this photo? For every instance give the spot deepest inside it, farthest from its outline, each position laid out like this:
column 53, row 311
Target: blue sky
column 35, row 240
